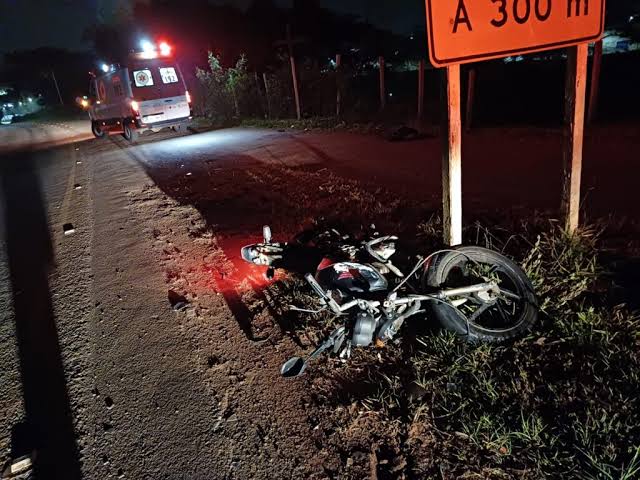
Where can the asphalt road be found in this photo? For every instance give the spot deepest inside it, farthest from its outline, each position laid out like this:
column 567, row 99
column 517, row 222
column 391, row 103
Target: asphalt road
column 104, row 379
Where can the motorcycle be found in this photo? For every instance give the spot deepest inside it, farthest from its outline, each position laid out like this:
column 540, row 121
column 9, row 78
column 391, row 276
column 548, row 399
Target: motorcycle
column 478, row 293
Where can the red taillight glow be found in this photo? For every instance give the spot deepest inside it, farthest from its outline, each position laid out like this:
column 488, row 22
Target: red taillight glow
column 188, row 95
column 134, row 106
column 165, row 49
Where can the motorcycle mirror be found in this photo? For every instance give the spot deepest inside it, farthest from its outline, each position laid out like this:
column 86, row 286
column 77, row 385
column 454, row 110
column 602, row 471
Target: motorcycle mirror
column 266, row 233
column 293, row 367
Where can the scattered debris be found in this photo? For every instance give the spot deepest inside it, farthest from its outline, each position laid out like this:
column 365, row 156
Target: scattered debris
column 18, row 467
column 68, row 229
column 404, row 133
column 108, row 402
column 77, row 186
column 178, row 302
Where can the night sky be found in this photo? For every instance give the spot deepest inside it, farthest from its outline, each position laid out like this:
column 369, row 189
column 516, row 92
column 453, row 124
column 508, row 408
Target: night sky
column 28, row 24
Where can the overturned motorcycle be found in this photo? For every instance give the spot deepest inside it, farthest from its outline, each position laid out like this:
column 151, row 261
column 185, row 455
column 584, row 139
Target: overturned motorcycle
column 475, row 292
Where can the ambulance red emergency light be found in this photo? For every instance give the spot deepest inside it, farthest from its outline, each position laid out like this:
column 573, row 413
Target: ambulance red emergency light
column 148, row 93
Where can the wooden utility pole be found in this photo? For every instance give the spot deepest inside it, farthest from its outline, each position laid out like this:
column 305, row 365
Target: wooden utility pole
column 452, row 161
column 471, row 89
column 595, row 82
column 575, row 89
column 383, row 97
column 294, row 74
column 266, row 93
column 338, row 83
column 420, row 89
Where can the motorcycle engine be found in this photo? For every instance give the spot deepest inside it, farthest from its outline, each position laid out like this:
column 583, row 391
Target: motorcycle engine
column 364, row 329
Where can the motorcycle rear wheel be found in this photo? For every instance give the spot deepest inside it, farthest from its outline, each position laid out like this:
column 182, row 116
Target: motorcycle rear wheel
column 512, row 313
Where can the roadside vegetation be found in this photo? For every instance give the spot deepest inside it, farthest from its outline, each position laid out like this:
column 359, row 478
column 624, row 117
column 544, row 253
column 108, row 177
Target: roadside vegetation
column 560, row 403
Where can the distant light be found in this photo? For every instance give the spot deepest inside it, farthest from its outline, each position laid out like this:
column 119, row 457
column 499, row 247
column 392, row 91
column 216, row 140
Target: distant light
column 135, row 106
column 30, row 99
column 84, row 102
column 20, row 103
column 105, row 68
column 165, row 49
column 10, row 105
column 390, row 94
column 147, row 46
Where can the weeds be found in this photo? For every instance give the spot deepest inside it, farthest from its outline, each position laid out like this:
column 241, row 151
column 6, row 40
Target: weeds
column 561, row 403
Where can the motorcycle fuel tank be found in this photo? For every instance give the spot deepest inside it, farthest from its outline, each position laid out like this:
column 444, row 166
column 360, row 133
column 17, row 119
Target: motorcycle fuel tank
column 351, row 278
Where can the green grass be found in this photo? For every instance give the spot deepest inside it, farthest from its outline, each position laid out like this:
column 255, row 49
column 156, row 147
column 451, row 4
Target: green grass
column 314, row 123
column 560, row 403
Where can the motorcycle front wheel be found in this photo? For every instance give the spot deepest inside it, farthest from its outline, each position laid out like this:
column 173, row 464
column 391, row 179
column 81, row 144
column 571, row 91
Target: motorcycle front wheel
column 485, row 316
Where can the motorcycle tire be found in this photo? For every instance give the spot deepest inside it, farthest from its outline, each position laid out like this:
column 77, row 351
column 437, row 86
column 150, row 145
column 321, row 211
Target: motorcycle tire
column 525, row 312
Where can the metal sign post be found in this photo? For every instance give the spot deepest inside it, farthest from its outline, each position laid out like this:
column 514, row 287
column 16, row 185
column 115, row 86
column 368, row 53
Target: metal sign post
column 464, row 31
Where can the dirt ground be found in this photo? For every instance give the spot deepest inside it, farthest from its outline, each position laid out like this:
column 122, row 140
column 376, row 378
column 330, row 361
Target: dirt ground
column 105, row 378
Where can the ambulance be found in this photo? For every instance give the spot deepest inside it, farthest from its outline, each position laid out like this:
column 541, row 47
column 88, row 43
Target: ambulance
column 147, row 94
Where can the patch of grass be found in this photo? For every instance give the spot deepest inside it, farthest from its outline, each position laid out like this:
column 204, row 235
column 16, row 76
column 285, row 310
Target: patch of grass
column 561, row 403
column 313, row 123
column 562, row 268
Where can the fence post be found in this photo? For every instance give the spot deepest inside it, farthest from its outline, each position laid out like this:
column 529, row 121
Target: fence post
column 266, row 92
column 383, row 97
column 595, row 82
column 420, row 89
column 338, row 83
column 575, row 90
column 296, row 92
column 471, row 89
column 294, row 74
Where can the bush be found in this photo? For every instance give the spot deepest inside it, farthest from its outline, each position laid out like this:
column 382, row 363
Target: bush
column 228, row 93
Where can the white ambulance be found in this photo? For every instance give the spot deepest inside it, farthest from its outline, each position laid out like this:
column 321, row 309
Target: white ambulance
column 148, row 94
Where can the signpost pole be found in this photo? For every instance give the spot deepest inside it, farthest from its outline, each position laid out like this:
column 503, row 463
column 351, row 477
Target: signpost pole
column 452, row 161
column 575, row 90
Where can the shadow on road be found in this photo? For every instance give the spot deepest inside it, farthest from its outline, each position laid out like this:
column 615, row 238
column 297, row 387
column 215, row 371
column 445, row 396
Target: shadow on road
column 48, row 427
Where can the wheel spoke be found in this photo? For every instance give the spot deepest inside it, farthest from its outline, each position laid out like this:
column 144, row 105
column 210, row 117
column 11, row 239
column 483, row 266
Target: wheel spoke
column 480, row 311
column 502, row 313
column 510, row 295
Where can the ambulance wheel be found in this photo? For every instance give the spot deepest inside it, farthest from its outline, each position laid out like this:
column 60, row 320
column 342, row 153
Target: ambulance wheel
column 97, row 130
column 130, row 133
